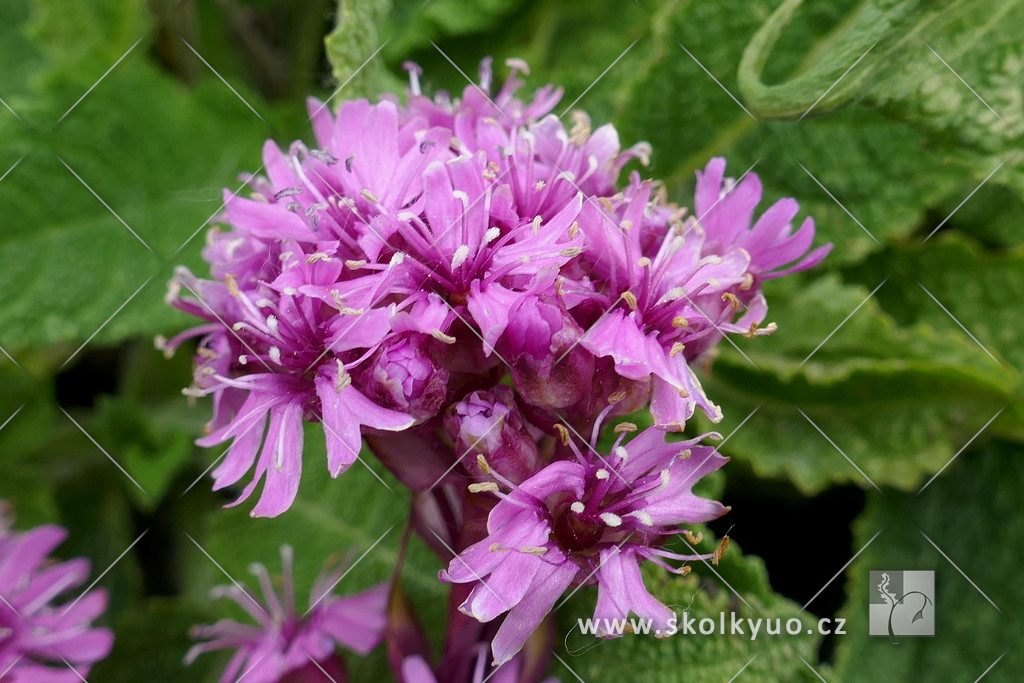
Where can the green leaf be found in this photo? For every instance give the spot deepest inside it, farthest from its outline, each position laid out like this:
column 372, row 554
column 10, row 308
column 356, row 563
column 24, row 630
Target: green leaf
column 960, row 79
column 829, row 81
column 30, row 495
column 704, row 594
column 26, row 411
column 898, row 402
column 855, row 155
column 976, row 287
column 973, row 518
column 952, row 68
column 151, row 640
column 413, row 25
column 351, row 47
column 154, row 454
column 568, row 44
column 154, row 153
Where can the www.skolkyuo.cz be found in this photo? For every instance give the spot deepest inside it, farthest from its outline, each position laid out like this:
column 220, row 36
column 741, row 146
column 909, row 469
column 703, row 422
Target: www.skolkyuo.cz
column 726, row 624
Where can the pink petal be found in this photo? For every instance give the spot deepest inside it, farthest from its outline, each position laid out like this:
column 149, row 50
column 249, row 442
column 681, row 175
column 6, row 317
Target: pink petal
column 282, row 455
column 545, row 588
column 621, row 590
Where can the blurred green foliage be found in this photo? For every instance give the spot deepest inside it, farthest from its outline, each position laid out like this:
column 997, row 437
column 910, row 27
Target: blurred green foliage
column 908, row 155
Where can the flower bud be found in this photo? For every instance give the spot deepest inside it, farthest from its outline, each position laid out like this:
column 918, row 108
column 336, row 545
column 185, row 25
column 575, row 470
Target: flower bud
column 549, row 367
column 404, row 376
column 489, row 423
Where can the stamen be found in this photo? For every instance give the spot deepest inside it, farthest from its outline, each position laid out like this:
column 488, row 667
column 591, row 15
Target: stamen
column 288, row 192
column 563, row 433
column 487, row 486
column 580, row 131
column 533, row 550
column 344, row 379
column 369, row 196
column 665, row 477
column 414, row 71
column 578, row 507
column 719, row 553
column 481, row 462
column 611, row 519
column 461, row 254
column 602, row 474
column 694, row 539
column 518, row 65
column 643, row 516
column 676, row 348
column 624, row 427
column 275, row 354
column 442, row 337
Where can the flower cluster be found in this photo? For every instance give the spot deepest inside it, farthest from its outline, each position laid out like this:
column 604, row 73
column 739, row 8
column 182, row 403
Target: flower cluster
column 41, row 640
column 460, row 284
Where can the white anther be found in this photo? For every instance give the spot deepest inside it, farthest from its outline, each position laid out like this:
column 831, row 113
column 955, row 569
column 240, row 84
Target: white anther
column 611, row 519
column 461, row 254
column 643, row 516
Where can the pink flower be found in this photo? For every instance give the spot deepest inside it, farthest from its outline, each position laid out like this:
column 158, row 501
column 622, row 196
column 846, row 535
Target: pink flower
column 591, row 519
column 284, row 643
column 40, row 641
column 662, row 291
column 725, row 210
column 285, row 358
